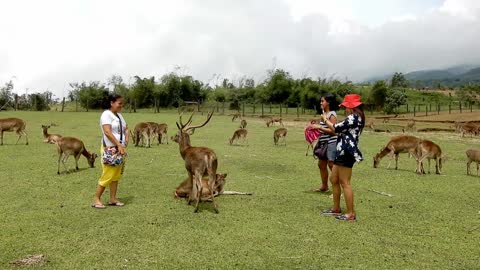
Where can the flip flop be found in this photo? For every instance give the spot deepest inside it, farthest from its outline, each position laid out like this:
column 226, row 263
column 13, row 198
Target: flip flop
column 98, row 206
column 116, row 204
column 320, row 190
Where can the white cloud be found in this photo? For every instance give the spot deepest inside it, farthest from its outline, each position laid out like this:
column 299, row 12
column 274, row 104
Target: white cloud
column 48, row 44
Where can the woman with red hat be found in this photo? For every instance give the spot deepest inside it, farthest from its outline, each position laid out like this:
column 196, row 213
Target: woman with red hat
column 348, row 132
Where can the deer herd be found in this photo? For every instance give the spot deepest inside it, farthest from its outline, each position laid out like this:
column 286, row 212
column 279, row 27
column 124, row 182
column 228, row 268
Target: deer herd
column 204, row 183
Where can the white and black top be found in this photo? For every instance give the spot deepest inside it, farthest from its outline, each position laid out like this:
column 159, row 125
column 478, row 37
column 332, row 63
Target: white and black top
column 118, row 128
column 327, row 137
column 348, row 132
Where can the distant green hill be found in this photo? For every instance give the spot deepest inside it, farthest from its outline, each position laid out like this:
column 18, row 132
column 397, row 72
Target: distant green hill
column 451, row 77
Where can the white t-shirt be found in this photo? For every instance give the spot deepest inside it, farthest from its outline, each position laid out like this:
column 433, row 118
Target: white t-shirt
column 109, row 118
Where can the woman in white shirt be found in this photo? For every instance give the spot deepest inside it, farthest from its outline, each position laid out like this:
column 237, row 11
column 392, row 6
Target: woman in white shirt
column 114, row 134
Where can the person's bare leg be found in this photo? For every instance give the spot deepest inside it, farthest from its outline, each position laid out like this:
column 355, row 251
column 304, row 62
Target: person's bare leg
column 322, row 165
column 98, row 195
column 344, row 175
column 113, row 192
column 335, row 188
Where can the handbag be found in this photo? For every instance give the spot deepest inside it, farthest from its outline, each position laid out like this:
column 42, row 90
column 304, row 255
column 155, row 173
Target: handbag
column 320, row 150
column 111, row 156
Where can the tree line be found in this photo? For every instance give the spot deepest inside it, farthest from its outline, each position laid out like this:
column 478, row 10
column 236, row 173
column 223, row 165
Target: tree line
column 173, row 90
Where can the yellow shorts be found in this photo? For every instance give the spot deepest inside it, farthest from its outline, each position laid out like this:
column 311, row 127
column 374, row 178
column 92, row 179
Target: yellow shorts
column 109, row 173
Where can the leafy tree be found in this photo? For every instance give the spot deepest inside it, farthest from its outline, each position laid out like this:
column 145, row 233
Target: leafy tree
column 6, row 95
column 89, row 95
column 395, row 97
column 399, row 80
column 378, row 94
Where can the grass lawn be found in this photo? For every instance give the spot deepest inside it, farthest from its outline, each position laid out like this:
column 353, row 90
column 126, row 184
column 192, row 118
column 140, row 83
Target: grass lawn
column 432, row 221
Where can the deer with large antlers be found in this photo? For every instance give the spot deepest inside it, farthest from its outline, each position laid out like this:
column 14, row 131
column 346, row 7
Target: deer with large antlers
column 67, row 146
column 199, row 161
column 13, row 124
column 50, row 138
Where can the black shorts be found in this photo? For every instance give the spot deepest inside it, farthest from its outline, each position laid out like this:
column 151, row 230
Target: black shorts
column 346, row 160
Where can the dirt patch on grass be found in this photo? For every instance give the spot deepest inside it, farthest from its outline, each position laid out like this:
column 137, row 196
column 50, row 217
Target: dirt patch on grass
column 36, row 260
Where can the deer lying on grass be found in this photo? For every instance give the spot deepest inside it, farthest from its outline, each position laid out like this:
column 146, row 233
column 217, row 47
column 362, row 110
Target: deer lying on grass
column 473, row 155
column 273, row 120
column 278, row 134
column 397, row 145
column 67, row 146
column 429, row 150
column 199, row 161
column 235, row 116
column 243, row 123
column 240, row 133
column 185, row 188
column 50, row 138
column 142, row 131
column 13, row 124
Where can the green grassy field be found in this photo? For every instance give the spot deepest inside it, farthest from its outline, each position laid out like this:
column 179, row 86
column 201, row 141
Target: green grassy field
column 431, row 222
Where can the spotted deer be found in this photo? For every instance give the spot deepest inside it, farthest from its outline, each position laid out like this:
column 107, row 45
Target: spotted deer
column 13, row 124
column 67, row 146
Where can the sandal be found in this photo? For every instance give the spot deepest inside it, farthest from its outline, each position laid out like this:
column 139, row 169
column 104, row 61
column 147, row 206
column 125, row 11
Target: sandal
column 346, row 218
column 332, row 212
column 98, row 206
column 321, row 190
column 116, row 204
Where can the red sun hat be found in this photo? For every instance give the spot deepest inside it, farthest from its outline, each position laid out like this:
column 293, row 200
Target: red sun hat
column 351, row 101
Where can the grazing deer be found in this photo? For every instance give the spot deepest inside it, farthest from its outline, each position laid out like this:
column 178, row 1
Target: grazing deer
column 240, row 133
column 67, row 146
column 159, row 131
column 429, row 150
column 273, row 120
column 473, row 155
column 13, row 124
column 141, row 132
column 185, row 188
column 235, row 116
column 243, row 123
column 397, row 145
column 49, row 138
column 469, row 127
column 370, row 125
column 280, row 133
column 199, row 161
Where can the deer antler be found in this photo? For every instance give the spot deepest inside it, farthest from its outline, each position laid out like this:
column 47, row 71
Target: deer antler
column 188, row 122
column 198, row 126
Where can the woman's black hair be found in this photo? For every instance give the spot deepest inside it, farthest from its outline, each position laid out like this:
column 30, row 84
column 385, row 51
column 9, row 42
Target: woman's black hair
column 108, row 99
column 332, row 101
column 359, row 111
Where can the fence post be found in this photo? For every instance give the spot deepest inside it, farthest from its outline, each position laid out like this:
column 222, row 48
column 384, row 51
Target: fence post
column 438, row 108
column 262, row 110
column 280, row 109
column 426, row 110
column 460, row 104
column 430, row 106
column 407, row 108
column 414, row 109
column 243, row 109
column 298, row 110
column 63, row 104
column 471, row 110
column 449, row 108
column 253, row 108
column 87, row 104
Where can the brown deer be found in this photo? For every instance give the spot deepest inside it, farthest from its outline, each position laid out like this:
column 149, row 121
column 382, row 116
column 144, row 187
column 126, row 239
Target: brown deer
column 185, row 188
column 410, row 126
column 50, row 138
column 386, row 120
column 13, row 124
column 274, row 120
column 143, row 131
column 67, row 146
column 235, row 116
column 243, row 123
column 280, row 133
column 473, row 155
column 199, row 161
column 162, row 130
column 397, row 145
column 469, row 128
column 429, row 150
column 240, row 133
column 370, row 125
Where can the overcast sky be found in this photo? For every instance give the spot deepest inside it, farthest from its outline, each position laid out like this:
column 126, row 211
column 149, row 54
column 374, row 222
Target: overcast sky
column 48, row 44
